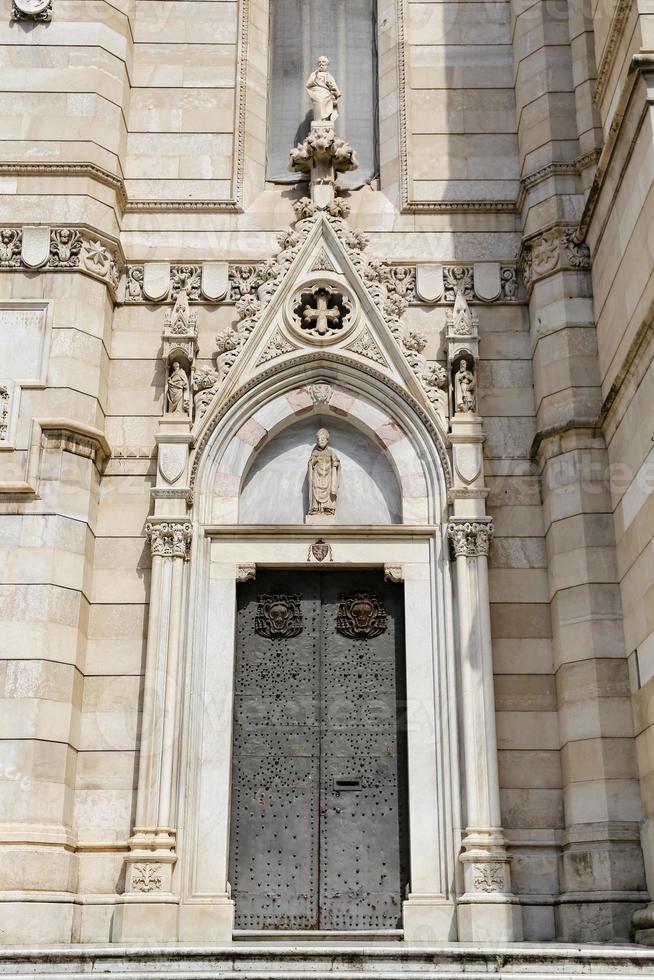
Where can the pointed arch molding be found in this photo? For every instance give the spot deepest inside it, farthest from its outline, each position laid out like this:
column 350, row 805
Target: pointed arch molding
column 274, row 399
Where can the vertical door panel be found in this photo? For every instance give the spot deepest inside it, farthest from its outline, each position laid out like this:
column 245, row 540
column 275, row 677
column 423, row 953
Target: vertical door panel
column 319, row 820
column 275, row 783
column 363, row 859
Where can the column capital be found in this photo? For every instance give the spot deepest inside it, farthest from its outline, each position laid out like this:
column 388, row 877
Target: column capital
column 170, row 539
column 470, row 539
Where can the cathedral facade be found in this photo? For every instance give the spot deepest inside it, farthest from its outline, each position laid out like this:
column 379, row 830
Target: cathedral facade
column 326, row 471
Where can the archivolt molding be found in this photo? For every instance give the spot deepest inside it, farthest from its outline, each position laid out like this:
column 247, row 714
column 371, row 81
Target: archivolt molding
column 324, row 364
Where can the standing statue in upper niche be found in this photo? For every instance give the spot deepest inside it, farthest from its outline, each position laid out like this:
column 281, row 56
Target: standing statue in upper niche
column 465, row 385
column 324, row 476
column 178, row 390
column 323, row 92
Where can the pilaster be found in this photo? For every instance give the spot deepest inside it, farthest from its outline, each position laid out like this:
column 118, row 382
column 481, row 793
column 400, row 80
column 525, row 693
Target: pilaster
column 487, row 909
column 149, row 908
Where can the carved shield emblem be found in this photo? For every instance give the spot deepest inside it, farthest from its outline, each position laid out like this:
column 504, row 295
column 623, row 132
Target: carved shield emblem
column 320, row 550
column 36, row 247
column 361, row 616
column 172, row 460
column 278, row 616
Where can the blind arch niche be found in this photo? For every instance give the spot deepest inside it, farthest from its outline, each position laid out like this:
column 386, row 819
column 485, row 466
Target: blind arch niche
column 300, row 31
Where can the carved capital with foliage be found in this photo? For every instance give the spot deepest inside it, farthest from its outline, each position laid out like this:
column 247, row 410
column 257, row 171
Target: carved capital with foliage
column 169, row 539
column 470, row 539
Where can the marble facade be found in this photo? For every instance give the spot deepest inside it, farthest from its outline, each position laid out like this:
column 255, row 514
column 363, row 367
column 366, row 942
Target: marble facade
column 482, row 352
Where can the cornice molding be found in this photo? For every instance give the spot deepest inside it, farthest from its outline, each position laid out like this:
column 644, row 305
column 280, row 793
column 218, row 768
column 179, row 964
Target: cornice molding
column 640, row 63
column 25, row 168
column 614, row 36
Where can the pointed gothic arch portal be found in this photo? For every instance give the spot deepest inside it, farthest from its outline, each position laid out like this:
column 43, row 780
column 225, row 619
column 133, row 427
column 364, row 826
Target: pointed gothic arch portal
column 319, row 339
column 407, row 555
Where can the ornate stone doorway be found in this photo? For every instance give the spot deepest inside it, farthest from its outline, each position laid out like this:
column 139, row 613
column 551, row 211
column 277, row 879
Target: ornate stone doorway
column 319, row 822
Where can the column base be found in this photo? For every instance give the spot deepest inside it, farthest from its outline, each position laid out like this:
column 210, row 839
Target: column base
column 143, row 921
column 428, row 919
column 209, row 922
column 498, row 921
column 488, row 911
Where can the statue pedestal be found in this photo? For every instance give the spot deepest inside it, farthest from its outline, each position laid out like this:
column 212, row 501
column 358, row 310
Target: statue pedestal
column 320, row 519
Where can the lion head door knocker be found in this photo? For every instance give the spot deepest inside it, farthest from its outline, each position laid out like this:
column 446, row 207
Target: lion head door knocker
column 278, row 616
column 361, row 616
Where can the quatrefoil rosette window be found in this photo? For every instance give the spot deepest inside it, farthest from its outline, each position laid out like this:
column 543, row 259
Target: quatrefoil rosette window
column 322, row 311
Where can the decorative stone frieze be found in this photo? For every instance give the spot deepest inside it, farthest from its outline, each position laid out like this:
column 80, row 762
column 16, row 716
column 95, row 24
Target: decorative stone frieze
column 554, row 250
column 399, row 280
column 187, row 278
column 182, row 276
column 170, row 539
column 65, row 248
column 5, row 406
column 37, row 10
column 98, row 260
column 68, row 249
column 470, row 539
column 11, row 242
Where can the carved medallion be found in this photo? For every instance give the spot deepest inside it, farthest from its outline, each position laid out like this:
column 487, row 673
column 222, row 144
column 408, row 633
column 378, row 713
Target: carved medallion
column 361, row 616
column 322, row 310
column 278, row 616
column 31, row 10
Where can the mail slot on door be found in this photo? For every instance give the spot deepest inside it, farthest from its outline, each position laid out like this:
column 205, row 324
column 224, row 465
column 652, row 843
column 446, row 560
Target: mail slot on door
column 345, row 784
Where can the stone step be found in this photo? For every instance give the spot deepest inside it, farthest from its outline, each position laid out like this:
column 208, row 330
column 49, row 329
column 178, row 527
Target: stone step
column 327, row 961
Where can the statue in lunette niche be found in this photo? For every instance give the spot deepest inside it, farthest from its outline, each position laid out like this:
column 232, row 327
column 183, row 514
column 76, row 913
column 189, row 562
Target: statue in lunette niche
column 323, row 92
column 324, row 477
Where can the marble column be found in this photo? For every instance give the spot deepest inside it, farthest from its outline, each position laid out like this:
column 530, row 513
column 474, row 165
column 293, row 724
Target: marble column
column 487, row 910
column 149, row 908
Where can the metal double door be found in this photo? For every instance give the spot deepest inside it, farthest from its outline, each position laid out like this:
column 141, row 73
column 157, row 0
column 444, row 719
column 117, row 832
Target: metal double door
column 319, row 836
